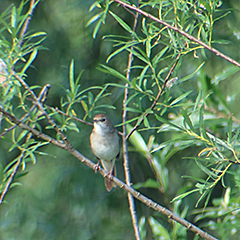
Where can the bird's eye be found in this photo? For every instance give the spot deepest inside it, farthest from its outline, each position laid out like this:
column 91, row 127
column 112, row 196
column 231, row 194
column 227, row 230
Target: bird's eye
column 104, row 119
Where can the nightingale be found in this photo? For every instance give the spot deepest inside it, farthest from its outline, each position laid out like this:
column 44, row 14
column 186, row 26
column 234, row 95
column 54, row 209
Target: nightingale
column 105, row 145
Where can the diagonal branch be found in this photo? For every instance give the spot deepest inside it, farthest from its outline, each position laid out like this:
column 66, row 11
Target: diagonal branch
column 41, row 97
column 122, row 185
column 147, row 112
column 42, row 109
column 190, row 37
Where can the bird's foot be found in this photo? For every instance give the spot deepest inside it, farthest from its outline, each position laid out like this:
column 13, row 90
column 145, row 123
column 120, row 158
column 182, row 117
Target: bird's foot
column 97, row 166
column 109, row 176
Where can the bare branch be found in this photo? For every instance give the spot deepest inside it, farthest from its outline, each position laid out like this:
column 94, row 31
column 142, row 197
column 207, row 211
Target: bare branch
column 125, row 145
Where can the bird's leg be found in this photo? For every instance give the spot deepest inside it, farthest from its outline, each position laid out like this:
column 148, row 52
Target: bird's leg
column 97, row 166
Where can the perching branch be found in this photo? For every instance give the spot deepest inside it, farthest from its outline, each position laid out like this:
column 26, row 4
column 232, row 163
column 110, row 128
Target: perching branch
column 122, row 185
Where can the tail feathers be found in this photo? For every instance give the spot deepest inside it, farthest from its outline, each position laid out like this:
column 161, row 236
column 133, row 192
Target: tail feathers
column 109, row 184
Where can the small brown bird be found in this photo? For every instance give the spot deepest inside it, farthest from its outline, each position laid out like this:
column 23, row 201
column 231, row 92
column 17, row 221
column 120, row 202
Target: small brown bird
column 105, row 145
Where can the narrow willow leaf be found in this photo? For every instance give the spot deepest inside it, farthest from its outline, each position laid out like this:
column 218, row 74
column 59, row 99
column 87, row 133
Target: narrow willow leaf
column 137, row 141
column 139, row 55
column 148, row 47
column 180, row 98
column 115, row 73
column 150, row 183
column 132, row 110
column 14, row 17
column 126, row 46
column 37, row 34
column 85, row 107
column 94, row 18
column 122, row 23
column 71, row 76
column 105, row 106
column 192, row 74
column 158, row 56
column 95, row 4
column 207, row 171
column 199, row 97
column 181, row 196
column 224, row 74
column 201, row 122
column 229, row 134
column 158, row 229
column 100, row 94
column 146, row 122
column 98, row 25
column 163, row 120
column 187, row 119
column 22, row 135
column 30, row 60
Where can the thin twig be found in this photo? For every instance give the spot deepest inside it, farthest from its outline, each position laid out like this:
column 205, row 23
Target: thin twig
column 125, row 145
column 75, row 118
column 67, row 115
column 41, row 97
column 10, row 179
column 41, row 108
column 147, row 112
column 92, row 165
column 190, row 37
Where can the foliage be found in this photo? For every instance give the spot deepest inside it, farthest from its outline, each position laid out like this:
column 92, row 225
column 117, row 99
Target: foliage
column 172, row 108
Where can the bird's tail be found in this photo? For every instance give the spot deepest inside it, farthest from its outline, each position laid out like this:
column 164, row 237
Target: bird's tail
column 109, row 184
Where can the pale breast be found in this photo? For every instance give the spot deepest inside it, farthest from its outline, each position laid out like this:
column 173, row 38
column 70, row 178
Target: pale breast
column 105, row 147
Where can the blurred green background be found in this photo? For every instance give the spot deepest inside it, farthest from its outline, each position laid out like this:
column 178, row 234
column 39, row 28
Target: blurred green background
column 60, row 198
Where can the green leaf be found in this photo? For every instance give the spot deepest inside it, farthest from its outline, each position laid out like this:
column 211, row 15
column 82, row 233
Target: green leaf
column 126, row 46
column 158, row 56
column 14, row 17
column 225, row 73
column 115, row 73
column 37, row 34
column 180, row 98
column 181, row 196
column 122, row 23
column 30, row 60
column 199, row 97
column 84, row 105
column 137, row 141
column 158, row 229
column 192, row 74
column 94, row 18
column 187, row 119
column 22, row 135
column 150, row 183
column 207, row 171
column 71, row 76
